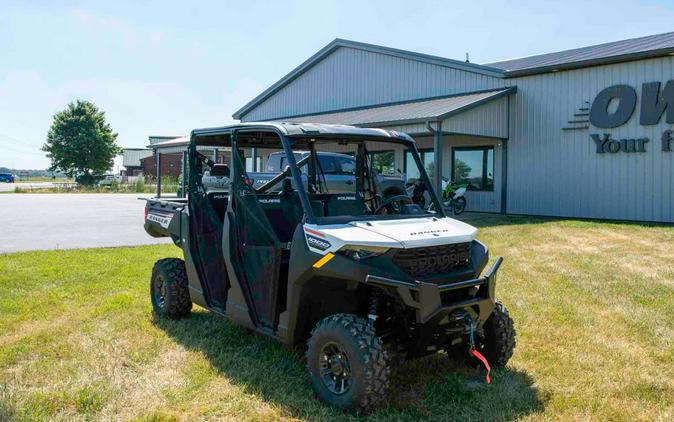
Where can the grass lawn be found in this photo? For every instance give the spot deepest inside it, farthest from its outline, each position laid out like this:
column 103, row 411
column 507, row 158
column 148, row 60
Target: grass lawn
column 593, row 304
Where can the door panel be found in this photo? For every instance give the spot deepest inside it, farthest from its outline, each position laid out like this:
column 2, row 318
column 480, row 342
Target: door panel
column 256, row 251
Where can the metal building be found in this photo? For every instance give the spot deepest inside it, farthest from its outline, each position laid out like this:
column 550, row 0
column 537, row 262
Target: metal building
column 579, row 133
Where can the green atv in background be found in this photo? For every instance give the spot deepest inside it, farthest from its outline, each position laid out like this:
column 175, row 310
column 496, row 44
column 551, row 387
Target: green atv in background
column 349, row 274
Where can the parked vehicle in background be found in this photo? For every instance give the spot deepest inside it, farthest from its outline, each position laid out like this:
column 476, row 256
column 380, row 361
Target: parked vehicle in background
column 109, row 179
column 339, row 171
column 7, row 177
column 453, row 196
column 354, row 276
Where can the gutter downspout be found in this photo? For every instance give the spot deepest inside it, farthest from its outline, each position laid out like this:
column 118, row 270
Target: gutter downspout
column 437, row 154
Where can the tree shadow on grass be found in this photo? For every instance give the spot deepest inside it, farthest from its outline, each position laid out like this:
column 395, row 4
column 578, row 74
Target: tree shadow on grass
column 429, row 388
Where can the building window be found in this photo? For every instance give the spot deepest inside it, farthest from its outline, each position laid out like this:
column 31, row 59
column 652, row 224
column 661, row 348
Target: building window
column 475, row 166
column 249, row 163
column 383, row 162
column 427, row 159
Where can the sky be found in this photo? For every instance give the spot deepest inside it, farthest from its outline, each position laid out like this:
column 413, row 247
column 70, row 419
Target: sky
column 165, row 67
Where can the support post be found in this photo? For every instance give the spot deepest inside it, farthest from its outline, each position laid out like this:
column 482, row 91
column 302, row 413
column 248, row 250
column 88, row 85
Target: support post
column 158, row 164
column 183, row 183
column 437, row 152
column 253, row 153
column 504, row 176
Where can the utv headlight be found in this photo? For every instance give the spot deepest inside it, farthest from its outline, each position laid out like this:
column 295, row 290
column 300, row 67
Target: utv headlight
column 362, row 252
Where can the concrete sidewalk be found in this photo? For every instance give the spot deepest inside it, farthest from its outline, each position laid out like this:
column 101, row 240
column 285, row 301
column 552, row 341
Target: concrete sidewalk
column 71, row 220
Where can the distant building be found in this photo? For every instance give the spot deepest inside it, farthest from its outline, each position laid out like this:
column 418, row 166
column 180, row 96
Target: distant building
column 171, row 165
column 171, row 149
column 131, row 160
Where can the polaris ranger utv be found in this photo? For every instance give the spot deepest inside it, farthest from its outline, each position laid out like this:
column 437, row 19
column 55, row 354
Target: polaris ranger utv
column 355, row 276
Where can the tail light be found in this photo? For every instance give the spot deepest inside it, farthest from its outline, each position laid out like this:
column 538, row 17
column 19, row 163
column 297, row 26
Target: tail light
column 146, row 211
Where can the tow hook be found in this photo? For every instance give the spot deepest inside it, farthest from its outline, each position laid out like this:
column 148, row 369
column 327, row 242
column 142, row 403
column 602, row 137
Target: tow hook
column 473, row 351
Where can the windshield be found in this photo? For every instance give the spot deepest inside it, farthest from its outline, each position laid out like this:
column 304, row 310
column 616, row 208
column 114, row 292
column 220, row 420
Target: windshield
column 352, row 179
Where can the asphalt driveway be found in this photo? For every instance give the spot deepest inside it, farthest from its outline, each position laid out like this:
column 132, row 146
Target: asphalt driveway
column 68, row 221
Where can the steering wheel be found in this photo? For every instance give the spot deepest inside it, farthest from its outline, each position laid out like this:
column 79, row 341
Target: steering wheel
column 391, row 200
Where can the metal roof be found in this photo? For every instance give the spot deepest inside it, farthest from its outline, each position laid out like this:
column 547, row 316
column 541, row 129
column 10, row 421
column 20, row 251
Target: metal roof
column 337, row 43
column 131, row 156
column 170, row 142
column 437, row 108
column 612, row 52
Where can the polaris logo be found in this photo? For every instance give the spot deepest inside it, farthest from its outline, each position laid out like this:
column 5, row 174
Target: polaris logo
column 346, row 198
column 270, row 201
column 314, row 242
column 162, row 220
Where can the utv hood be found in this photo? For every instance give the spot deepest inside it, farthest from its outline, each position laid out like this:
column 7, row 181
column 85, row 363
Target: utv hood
column 402, row 233
column 418, row 232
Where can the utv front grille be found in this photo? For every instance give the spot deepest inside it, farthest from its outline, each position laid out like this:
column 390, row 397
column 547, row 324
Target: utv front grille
column 429, row 261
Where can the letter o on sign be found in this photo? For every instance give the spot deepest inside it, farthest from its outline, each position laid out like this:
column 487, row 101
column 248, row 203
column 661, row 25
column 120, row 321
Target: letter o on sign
column 627, row 100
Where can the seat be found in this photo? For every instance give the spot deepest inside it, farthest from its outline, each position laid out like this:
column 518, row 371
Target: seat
column 284, row 212
column 345, row 204
column 220, row 170
column 219, row 202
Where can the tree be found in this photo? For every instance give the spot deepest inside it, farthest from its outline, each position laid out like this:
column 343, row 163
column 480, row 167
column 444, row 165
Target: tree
column 461, row 170
column 81, row 143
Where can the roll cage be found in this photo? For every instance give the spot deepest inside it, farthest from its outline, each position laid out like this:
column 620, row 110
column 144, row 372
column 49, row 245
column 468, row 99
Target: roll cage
column 304, row 136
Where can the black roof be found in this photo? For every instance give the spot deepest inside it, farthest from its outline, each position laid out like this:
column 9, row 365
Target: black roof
column 612, row 52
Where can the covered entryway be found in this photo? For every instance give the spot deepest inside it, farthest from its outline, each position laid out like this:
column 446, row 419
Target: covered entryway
column 460, row 137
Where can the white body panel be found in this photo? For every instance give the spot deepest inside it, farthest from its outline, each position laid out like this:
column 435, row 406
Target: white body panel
column 399, row 233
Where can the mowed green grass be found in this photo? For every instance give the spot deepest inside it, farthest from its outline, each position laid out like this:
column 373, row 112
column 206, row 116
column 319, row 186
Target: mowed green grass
column 593, row 304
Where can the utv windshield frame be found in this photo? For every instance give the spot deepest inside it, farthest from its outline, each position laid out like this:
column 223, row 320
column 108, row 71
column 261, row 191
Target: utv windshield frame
column 222, row 137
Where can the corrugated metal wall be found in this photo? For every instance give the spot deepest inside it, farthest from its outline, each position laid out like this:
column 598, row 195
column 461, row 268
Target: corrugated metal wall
column 353, row 78
column 558, row 173
column 550, row 171
column 490, row 119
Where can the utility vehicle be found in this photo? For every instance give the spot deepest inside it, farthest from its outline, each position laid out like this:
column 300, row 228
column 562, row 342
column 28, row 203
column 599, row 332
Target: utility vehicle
column 354, row 276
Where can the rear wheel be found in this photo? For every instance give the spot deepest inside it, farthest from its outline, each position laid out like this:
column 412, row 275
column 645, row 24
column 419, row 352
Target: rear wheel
column 347, row 363
column 459, row 205
column 168, row 289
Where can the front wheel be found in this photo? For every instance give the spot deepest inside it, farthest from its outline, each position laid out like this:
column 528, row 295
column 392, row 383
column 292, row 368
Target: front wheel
column 347, row 363
column 168, row 289
column 499, row 336
column 459, row 205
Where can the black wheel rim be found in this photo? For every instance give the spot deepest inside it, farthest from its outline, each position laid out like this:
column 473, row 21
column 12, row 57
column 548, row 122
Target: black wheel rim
column 160, row 292
column 459, row 205
column 335, row 369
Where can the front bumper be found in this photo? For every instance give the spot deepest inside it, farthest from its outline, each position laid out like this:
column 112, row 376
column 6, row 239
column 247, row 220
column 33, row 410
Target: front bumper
column 433, row 302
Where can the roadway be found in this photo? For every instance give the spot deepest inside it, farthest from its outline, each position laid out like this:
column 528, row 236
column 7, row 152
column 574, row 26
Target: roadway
column 34, row 221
